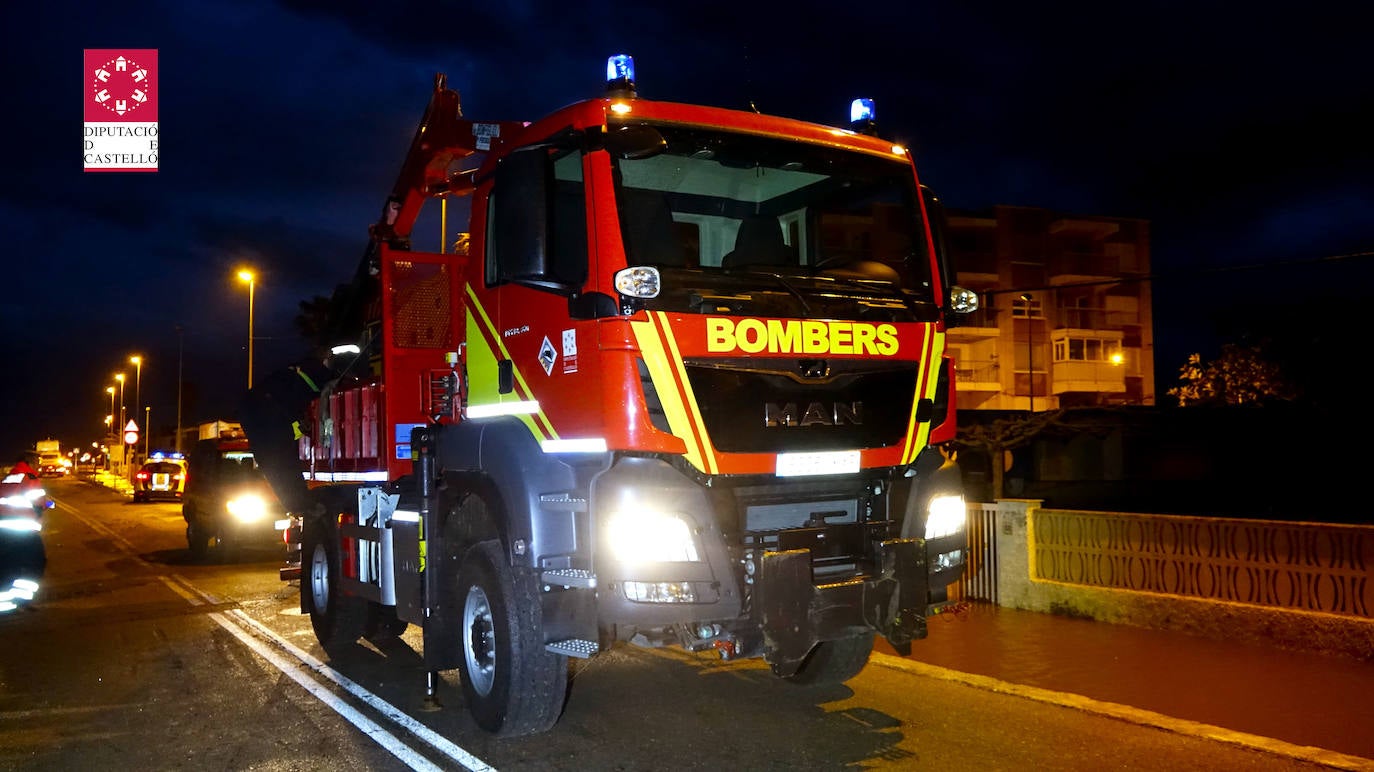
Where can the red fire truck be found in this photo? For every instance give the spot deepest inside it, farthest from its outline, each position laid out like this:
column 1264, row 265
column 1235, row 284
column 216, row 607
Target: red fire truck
column 683, row 382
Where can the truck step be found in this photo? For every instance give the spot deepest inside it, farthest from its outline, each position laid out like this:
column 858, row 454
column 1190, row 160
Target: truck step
column 574, row 647
column 569, row 577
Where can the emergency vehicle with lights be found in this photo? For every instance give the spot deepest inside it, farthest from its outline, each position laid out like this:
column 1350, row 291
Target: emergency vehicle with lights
column 225, row 501
column 683, row 382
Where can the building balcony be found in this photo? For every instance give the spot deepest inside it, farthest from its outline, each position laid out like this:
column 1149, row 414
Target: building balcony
column 974, row 375
column 1087, row 377
column 1078, row 267
column 979, row 325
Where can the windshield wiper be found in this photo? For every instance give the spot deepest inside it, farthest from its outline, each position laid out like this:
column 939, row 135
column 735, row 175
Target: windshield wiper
column 806, row 309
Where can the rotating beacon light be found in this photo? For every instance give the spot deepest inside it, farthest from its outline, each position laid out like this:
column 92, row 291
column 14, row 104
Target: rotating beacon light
column 620, row 76
column 862, row 117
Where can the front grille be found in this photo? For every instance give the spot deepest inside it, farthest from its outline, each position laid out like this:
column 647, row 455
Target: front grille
column 751, row 410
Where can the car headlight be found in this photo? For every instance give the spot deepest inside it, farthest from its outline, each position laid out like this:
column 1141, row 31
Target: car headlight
column 248, row 508
column 650, row 537
column 945, row 517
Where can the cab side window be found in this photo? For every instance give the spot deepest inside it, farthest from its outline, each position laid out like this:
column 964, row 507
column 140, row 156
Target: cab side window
column 537, row 221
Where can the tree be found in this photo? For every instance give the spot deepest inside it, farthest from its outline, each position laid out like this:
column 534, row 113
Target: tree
column 313, row 321
column 1000, row 435
column 1241, row 375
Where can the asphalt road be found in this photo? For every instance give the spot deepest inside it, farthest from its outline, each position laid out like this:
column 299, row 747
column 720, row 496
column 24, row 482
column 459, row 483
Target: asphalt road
column 132, row 657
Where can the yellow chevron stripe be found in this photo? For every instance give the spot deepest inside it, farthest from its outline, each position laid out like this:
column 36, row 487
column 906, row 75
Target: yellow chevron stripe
column 708, row 450
column 919, row 433
column 656, row 359
column 539, row 424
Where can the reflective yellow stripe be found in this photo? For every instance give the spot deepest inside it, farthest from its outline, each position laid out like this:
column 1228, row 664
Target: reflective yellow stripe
column 482, row 369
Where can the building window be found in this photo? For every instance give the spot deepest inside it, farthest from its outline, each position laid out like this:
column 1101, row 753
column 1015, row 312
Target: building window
column 1073, row 349
column 1027, row 307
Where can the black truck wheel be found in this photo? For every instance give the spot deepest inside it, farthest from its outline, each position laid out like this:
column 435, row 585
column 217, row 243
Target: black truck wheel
column 339, row 620
column 834, row 662
column 197, row 539
column 227, row 546
column 512, row 685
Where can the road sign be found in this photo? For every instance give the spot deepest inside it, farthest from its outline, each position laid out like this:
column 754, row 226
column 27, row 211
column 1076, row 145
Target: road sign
column 131, row 433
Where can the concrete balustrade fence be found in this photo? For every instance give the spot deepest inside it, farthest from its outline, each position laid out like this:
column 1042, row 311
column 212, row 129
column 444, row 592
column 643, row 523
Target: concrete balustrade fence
column 1302, row 586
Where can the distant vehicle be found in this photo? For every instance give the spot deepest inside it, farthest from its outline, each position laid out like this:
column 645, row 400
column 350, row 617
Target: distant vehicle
column 226, row 502
column 163, row 477
column 22, row 555
column 51, row 462
column 21, row 495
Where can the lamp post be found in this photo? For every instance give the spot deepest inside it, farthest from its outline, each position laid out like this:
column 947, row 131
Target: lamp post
column 120, row 377
column 179, row 361
column 124, row 455
column 137, row 362
column 247, row 276
column 1030, row 348
column 109, row 421
column 147, row 431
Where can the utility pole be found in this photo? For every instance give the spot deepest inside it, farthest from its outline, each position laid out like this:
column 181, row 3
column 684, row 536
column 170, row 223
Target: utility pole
column 180, row 350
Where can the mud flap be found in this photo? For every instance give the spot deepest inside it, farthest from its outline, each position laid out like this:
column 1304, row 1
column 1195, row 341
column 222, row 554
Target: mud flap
column 900, row 615
column 785, row 592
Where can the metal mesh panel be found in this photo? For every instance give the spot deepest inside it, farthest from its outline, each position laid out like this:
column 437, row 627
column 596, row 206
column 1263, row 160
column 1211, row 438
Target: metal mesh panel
column 421, row 305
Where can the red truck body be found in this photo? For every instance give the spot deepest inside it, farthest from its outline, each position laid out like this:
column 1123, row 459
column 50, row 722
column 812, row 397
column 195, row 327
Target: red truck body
column 682, row 385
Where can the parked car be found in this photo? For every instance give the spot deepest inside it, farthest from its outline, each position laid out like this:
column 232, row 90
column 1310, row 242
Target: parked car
column 163, row 477
column 227, row 503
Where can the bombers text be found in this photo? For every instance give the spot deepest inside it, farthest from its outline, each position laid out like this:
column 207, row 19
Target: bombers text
column 775, row 336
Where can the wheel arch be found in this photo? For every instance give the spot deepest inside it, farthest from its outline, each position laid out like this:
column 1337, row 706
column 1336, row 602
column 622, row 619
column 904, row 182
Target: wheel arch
column 501, row 456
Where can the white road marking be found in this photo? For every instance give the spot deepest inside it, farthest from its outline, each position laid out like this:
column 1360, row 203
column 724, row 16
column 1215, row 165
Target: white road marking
column 236, row 627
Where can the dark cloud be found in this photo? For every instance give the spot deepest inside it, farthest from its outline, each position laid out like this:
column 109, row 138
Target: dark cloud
column 1239, row 133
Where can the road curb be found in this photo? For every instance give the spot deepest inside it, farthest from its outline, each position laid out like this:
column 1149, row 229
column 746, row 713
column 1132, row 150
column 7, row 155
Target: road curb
column 1130, row 714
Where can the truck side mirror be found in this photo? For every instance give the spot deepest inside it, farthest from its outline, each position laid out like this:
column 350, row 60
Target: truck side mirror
column 520, row 232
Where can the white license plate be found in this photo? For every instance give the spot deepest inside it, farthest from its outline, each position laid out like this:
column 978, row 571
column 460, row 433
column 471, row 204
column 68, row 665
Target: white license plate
column 810, row 464
column 162, row 482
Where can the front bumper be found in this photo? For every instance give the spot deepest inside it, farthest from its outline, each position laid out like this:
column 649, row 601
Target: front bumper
column 794, row 613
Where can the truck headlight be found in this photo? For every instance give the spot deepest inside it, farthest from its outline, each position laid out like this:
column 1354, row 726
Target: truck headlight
column 650, row 537
column 20, row 501
column 20, row 524
column 945, row 517
column 248, row 508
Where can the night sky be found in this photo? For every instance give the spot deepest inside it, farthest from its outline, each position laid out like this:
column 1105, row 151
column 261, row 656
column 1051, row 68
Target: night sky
column 1241, row 132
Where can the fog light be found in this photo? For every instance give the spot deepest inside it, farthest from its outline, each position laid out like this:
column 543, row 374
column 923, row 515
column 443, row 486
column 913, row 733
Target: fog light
column 951, row 559
column 660, row 592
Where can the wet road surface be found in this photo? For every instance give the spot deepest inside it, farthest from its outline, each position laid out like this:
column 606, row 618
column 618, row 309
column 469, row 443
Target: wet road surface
column 1300, row 698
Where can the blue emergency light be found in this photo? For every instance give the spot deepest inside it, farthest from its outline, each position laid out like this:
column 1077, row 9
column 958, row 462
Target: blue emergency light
column 862, row 116
column 620, row 75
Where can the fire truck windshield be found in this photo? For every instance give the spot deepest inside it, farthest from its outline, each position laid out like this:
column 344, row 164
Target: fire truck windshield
column 748, row 224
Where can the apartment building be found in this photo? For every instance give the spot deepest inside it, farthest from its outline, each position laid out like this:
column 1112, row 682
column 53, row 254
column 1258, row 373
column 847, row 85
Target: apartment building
column 1066, row 317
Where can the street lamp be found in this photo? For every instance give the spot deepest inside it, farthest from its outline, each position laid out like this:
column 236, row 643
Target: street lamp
column 1030, row 348
column 246, row 275
column 137, row 362
column 120, row 377
column 179, row 361
column 109, row 419
column 124, row 457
